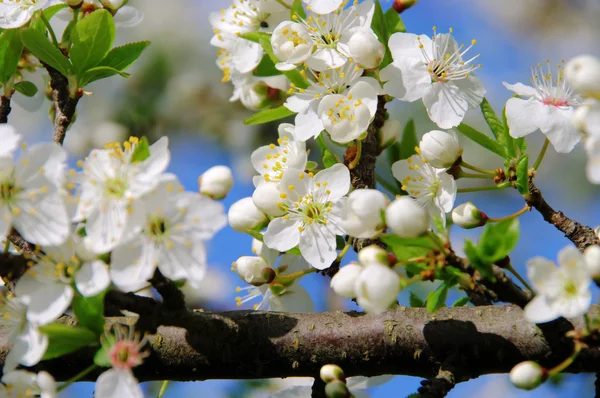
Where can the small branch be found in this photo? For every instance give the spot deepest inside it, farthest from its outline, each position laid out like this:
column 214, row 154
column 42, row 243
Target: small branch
column 4, row 109
column 439, row 386
column 581, row 235
column 318, row 388
column 64, row 103
column 173, row 298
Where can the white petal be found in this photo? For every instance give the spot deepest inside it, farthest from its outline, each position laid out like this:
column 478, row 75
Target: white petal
column 542, row 274
column 132, row 264
column 472, row 89
column 204, row 216
column 92, row 278
column 337, row 178
column 282, row 234
column 538, row 311
column 446, row 104
column 10, row 140
column 524, row 116
column 521, row 89
column 298, row 102
column 323, row 6
column 447, row 192
column 284, row 66
column 326, row 58
column 128, row 17
column 49, row 303
column 184, row 260
column 406, row 79
column 367, row 95
column 592, row 148
column 308, row 123
column 572, row 307
column 560, row 130
column 28, row 349
column 105, row 228
column 318, row 245
column 115, row 383
column 407, row 45
column 43, row 220
column 296, row 299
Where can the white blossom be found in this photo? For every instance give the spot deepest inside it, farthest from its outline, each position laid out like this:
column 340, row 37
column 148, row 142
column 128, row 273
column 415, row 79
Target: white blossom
column 432, row 188
column 440, row 149
column 586, row 119
column 527, row 375
column 257, row 92
column 361, row 216
column 548, row 106
column 561, row 291
column 323, row 6
column 266, row 198
column 344, row 281
column 434, row 70
column 20, row 383
column 216, row 182
column 250, row 268
column 583, row 75
column 377, row 287
column 236, row 56
column 407, row 218
column 468, row 216
column 313, row 207
column 366, row 49
column 592, row 261
column 244, row 215
column 16, row 13
column 373, row 254
column 292, row 44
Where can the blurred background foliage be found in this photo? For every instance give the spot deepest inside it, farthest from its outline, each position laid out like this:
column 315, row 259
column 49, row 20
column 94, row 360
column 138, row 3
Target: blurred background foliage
column 176, row 90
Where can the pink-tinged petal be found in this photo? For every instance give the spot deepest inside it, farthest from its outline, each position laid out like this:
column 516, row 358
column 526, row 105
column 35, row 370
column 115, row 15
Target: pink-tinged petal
column 524, row 116
column 521, row 89
column 446, row 104
column 538, row 311
column 406, row 79
column 318, row 245
column 407, row 45
column 282, row 234
column 92, row 278
column 559, row 129
column 337, row 178
column 117, row 383
column 327, row 58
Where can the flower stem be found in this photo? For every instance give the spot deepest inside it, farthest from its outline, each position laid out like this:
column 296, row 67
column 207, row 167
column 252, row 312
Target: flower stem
column 488, row 188
column 524, row 210
column 290, row 278
column 479, row 169
column 163, row 388
column 77, row 377
column 567, row 362
column 541, row 155
column 283, row 3
column 47, row 23
column 6, row 246
column 356, row 160
column 462, row 174
column 345, row 249
column 513, row 271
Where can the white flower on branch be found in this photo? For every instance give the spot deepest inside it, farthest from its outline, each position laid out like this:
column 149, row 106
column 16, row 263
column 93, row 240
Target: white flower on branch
column 175, row 224
column 16, row 13
column 434, row 70
column 243, row 215
column 548, row 106
column 366, row 49
column 323, row 6
column 292, row 44
column 407, row 218
column 256, row 92
column 586, row 119
column 561, row 291
column 20, row 383
column 468, row 216
column 362, row 214
column 583, row 75
column 313, row 206
column 440, row 149
column 216, row 182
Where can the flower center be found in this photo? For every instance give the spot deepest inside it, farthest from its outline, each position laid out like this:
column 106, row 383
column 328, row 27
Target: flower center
column 116, row 187
column 343, row 111
column 125, row 355
column 570, row 288
column 8, row 191
column 157, row 227
column 552, row 91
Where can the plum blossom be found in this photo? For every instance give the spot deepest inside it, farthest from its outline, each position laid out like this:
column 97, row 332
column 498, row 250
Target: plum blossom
column 292, row 45
column 561, row 291
column 548, row 106
column 586, row 119
column 20, row 383
column 16, row 13
column 313, row 206
column 434, row 70
column 323, row 6
column 361, row 217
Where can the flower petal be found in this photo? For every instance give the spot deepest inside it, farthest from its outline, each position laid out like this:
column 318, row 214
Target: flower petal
column 559, row 129
column 326, row 58
column 524, row 116
column 538, row 311
column 92, row 278
column 542, row 274
column 282, row 234
column 406, row 79
column 446, row 104
column 521, row 89
column 318, row 245
column 117, row 383
column 337, row 178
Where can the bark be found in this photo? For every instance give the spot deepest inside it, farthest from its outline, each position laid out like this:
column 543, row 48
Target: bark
column 463, row 342
column 64, row 104
column 4, row 109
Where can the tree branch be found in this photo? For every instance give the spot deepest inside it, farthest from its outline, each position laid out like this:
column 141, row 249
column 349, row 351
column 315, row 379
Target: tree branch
column 64, row 103
column 407, row 341
column 4, row 109
column 581, row 235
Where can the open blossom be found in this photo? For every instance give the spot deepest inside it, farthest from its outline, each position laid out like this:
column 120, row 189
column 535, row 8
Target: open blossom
column 271, row 161
column 20, row 383
column 111, row 186
column 292, row 44
column 361, row 217
column 548, row 106
column 366, row 49
column 347, row 117
column 257, row 92
column 174, row 225
column 313, row 206
column 434, row 70
column 432, row 188
column 561, row 291
column 28, row 344
column 586, row 119
column 236, row 56
column 323, row 6
column 331, row 33
column 31, row 198
column 16, row 13
column 47, row 288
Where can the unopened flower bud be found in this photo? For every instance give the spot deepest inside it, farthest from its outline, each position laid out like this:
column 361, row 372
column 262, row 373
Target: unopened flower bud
column 373, row 254
column 440, row 149
column 331, row 372
column 390, row 132
column 250, row 268
column 592, row 261
column 583, row 75
column 266, row 198
column 337, row 389
column 216, row 182
column 344, row 281
column 403, row 5
column 406, row 218
column 361, row 216
column 291, row 44
column 366, row 50
column 468, row 216
column 268, row 274
column 244, row 215
column 112, row 4
column 528, row 375
column 377, row 288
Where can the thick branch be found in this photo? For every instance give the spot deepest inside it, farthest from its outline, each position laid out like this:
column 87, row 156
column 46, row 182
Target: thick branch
column 64, row 104
column 406, row 341
column 4, row 109
column 581, row 235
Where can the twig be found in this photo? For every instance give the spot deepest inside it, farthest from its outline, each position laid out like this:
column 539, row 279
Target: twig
column 173, row 298
column 64, row 103
column 4, row 109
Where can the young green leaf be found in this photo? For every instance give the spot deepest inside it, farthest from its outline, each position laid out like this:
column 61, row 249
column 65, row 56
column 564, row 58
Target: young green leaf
column 297, row 9
column 405, row 249
column 510, row 141
column 522, row 182
column 11, row 48
column 266, row 67
column 99, row 72
column 461, row 302
column 90, row 312
column 122, row 57
column 101, row 358
column 415, row 301
column 481, row 139
column 44, row 50
column 329, row 159
column 437, row 299
column 38, row 24
column 141, row 151
column 498, row 240
column 409, row 140
column 92, row 38
column 494, row 122
column 394, row 22
column 476, row 262
column 63, row 339
column 26, row 88
column 269, row 115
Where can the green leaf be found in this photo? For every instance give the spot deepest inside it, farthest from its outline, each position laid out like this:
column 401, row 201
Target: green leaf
column 92, row 38
column 510, row 142
column 122, row 57
column 141, row 151
column 495, row 124
column 101, row 358
column 437, row 299
column 415, row 301
column 522, row 182
column 90, row 312
column 297, row 9
column 63, row 339
column 99, row 72
column 340, row 243
column 266, row 67
column 264, row 39
column 329, row 159
column 481, row 139
column 405, row 249
column 11, row 48
column 473, row 255
column 44, row 50
column 269, row 115
column 409, row 140
column 310, row 165
column 378, row 24
column 26, row 88
column 394, row 22
column 461, row 302
column 498, row 240
column 38, row 24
